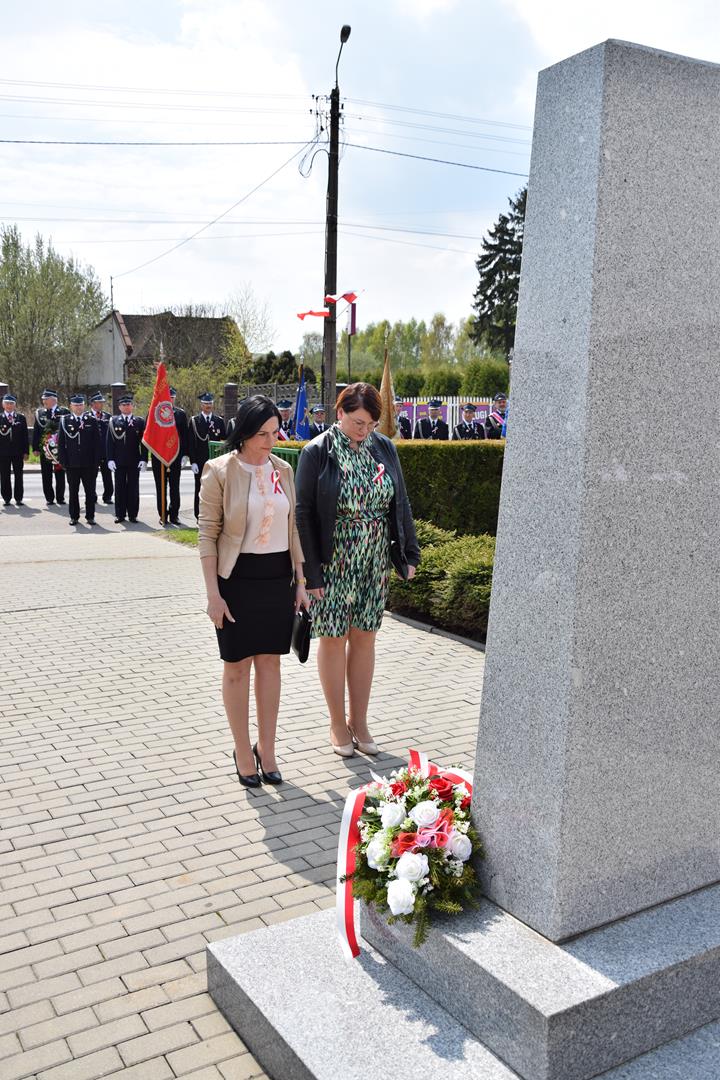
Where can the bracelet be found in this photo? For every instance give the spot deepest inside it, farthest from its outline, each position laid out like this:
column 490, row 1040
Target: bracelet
column 300, row 581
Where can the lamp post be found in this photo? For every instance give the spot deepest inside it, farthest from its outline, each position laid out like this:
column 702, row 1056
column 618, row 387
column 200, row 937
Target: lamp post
column 329, row 361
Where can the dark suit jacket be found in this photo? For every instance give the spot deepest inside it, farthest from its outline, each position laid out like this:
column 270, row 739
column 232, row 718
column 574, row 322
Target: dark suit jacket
column 14, row 438
column 42, row 417
column 424, row 430
column 79, row 442
column 124, row 443
column 468, row 431
column 202, row 432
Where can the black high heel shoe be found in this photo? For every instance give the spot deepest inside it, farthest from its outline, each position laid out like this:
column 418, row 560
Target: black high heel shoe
column 268, row 777
column 253, row 780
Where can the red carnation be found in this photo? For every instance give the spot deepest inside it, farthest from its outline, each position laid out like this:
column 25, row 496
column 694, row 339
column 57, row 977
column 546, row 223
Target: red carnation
column 404, row 841
column 398, row 788
column 443, row 788
column 466, row 802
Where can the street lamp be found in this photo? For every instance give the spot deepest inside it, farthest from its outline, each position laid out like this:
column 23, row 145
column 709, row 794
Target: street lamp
column 329, row 361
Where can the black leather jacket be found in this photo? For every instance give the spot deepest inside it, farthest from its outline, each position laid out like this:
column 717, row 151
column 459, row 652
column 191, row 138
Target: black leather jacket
column 317, row 484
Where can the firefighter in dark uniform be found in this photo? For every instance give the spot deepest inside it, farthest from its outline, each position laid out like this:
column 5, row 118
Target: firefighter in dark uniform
column 172, row 472
column 79, row 452
column 47, row 420
column 14, row 450
column 205, row 427
column 403, row 420
column 126, row 456
column 467, row 428
column 102, row 419
column 432, row 426
column 496, row 419
column 318, row 425
column 287, row 424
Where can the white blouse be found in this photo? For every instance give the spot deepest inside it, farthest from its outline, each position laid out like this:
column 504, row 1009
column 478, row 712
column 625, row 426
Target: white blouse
column 267, row 513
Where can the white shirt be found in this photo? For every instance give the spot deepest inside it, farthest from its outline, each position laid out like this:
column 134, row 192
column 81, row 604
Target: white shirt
column 267, row 512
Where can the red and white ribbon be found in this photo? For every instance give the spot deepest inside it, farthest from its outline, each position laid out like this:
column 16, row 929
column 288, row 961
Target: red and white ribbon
column 351, row 297
column 347, row 842
column 320, row 314
column 377, row 479
column 275, row 480
column 350, row 838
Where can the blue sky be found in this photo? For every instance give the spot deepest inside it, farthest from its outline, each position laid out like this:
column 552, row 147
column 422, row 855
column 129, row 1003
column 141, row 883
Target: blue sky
column 208, row 70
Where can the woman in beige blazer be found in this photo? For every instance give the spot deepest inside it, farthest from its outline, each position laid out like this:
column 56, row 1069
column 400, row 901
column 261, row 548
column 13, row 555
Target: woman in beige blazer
column 252, row 563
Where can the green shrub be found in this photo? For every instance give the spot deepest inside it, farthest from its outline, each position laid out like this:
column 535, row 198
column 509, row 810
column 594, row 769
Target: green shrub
column 455, row 485
column 485, row 378
column 442, row 381
column 452, row 585
column 408, row 384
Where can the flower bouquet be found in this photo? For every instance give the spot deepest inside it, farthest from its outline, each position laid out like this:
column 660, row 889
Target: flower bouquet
column 49, row 443
column 414, row 843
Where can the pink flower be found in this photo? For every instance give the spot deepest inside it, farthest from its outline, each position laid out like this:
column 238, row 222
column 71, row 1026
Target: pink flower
column 438, row 834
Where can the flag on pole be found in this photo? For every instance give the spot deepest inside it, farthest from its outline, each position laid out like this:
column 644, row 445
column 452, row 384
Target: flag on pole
column 302, row 424
column 161, row 433
column 320, row 314
column 349, row 296
column 388, row 419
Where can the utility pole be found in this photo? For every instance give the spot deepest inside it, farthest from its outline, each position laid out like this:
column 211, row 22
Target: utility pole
column 329, row 362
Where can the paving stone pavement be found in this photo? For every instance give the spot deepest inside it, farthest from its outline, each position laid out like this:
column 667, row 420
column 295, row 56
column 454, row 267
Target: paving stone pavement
column 126, row 842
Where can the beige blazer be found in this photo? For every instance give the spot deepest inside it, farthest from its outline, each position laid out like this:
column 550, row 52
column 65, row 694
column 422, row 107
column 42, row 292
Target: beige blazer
column 224, row 494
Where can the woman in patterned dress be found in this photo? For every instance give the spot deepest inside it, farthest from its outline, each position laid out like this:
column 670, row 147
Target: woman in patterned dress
column 351, row 504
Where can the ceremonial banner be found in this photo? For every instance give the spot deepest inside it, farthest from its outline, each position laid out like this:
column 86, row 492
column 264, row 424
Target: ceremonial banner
column 161, row 434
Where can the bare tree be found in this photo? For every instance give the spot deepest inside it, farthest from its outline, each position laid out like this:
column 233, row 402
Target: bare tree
column 253, row 317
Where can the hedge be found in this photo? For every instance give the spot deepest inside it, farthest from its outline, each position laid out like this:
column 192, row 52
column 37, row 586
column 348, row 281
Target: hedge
column 456, row 485
column 451, row 588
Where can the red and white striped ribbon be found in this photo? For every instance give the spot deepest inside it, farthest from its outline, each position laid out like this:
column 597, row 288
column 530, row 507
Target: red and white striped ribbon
column 350, row 838
column 377, row 479
column 275, row 480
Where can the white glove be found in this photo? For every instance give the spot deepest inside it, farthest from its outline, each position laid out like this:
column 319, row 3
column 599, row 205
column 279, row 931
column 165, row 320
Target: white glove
column 142, row 465
column 195, row 467
column 185, row 461
column 111, row 466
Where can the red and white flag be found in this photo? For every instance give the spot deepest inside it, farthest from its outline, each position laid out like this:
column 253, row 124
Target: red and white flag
column 351, row 297
column 320, row 314
column 161, row 433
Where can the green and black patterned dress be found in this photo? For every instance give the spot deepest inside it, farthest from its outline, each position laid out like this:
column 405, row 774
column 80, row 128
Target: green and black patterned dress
column 357, row 578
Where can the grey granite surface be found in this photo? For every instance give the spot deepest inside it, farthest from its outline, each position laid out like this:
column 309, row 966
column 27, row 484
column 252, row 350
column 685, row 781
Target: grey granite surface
column 596, row 786
column 307, row 1013
column 566, row 1012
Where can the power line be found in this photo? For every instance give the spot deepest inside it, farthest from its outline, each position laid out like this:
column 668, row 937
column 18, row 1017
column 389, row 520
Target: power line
column 244, row 198
column 438, row 161
column 440, row 115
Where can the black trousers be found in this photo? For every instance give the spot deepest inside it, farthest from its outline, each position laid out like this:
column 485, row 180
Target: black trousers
column 86, row 477
column 172, row 478
column 15, row 463
column 107, row 480
column 48, row 470
column 127, row 491
column 196, row 502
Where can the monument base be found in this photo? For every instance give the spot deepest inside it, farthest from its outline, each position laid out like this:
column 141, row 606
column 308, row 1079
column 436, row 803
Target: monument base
column 307, row 1013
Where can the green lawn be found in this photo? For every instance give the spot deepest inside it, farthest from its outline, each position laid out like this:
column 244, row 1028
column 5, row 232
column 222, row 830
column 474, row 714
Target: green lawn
column 182, row 536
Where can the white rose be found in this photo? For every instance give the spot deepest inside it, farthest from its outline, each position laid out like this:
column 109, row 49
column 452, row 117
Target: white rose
column 425, row 813
column 401, row 897
column 392, row 814
column 460, row 846
column 376, row 854
column 412, row 866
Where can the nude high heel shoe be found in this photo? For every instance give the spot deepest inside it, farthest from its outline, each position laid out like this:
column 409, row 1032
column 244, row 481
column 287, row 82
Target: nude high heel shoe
column 364, row 747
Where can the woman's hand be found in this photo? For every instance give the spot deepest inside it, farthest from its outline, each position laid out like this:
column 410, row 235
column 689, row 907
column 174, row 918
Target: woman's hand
column 317, row 593
column 218, row 610
column 411, row 572
column 301, row 597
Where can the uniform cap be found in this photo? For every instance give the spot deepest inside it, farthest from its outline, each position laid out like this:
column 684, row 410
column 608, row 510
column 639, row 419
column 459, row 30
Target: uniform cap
column 284, row 404
column 126, row 399
column 318, row 408
column 77, row 399
column 10, row 397
column 97, row 397
column 49, row 393
column 399, row 401
column 206, row 398
column 434, row 403
column 173, row 392
column 469, row 407
column 500, row 397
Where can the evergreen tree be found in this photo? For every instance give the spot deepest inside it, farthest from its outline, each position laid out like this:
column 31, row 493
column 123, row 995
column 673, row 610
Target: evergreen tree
column 495, row 299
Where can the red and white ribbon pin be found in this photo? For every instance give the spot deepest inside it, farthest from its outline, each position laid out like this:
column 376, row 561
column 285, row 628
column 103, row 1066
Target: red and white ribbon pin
column 347, row 842
column 379, row 474
column 275, row 479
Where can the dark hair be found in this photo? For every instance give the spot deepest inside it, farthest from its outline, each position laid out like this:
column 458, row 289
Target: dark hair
column 360, row 395
column 252, row 413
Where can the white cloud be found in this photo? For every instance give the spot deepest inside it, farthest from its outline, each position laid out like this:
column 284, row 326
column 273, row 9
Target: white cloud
column 564, row 27
column 425, row 9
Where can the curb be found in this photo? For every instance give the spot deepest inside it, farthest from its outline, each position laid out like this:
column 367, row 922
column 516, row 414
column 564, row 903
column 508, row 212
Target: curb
column 479, row 646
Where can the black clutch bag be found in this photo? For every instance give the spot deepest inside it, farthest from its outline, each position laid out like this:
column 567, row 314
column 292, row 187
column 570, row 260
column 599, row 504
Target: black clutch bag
column 397, row 557
column 301, row 634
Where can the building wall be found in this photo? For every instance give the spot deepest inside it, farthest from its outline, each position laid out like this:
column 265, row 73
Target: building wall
column 106, row 363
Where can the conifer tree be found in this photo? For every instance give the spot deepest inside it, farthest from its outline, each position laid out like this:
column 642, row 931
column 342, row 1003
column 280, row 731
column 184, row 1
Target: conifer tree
column 496, row 296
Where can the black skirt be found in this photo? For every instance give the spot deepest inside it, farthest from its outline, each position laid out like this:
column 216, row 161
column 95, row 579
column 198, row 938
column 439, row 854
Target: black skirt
column 261, row 596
